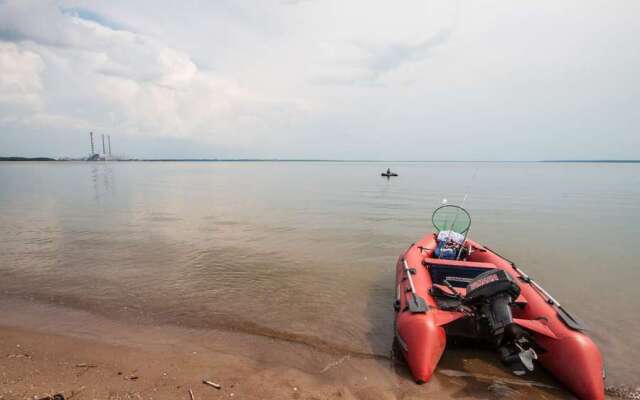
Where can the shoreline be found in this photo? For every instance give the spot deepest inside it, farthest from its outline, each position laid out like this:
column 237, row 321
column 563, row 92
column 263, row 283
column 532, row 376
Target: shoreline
column 47, row 349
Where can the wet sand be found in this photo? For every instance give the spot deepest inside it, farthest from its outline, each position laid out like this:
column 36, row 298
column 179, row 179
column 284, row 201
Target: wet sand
column 46, row 350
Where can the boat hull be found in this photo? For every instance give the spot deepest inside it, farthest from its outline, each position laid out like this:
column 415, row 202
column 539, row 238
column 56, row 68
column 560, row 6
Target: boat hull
column 570, row 355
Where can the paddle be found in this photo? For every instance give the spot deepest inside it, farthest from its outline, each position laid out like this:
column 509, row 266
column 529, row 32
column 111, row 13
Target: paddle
column 417, row 303
column 562, row 313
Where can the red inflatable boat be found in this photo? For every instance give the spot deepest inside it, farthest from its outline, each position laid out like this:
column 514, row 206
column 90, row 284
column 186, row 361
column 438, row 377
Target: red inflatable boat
column 449, row 285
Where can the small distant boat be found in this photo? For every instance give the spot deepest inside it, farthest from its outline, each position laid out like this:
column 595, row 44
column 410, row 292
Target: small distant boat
column 388, row 174
column 450, row 286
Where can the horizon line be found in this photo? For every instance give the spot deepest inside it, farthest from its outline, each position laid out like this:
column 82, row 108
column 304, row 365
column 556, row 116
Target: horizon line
column 599, row 160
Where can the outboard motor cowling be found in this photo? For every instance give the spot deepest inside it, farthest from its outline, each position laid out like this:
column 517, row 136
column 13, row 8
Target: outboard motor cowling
column 490, row 295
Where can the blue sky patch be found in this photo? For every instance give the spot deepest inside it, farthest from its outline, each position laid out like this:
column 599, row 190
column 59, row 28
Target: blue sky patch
column 92, row 16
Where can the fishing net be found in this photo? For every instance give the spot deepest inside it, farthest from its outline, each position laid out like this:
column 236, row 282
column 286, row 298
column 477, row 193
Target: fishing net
column 451, row 218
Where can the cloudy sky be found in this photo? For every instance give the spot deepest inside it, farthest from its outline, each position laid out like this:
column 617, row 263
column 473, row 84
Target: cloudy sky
column 416, row 80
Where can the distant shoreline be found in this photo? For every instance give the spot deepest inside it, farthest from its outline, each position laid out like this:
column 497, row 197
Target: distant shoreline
column 593, row 161
column 603, row 161
column 27, row 159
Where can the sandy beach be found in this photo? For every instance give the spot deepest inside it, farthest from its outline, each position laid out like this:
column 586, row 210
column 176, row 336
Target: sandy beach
column 45, row 350
column 37, row 365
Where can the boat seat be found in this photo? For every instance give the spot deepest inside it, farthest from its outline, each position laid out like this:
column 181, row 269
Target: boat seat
column 457, row 263
column 457, row 273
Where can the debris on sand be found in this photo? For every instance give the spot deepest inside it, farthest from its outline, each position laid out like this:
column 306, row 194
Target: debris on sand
column 57, row 396
column 85, row 365
column 212, row 384
column 335, row 364
column 23, row 355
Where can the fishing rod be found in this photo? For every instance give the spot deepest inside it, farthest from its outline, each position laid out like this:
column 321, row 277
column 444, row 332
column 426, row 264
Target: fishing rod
column 461, row 207
column 466, row 233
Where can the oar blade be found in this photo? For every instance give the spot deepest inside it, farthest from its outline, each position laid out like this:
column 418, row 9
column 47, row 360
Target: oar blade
column 417, row 304
column 569, row 320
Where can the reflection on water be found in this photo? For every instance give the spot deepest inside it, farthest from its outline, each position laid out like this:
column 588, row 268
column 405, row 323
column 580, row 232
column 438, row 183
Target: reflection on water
column 102, row 178
column 305, row 251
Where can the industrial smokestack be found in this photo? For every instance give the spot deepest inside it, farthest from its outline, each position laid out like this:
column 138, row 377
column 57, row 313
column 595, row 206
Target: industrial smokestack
column 109, row 143
column 91, row 136
column 103, row 150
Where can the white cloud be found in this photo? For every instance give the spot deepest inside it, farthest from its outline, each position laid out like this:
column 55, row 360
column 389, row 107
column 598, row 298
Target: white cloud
column 119, row 80
column 375, row 65
column 20, row 83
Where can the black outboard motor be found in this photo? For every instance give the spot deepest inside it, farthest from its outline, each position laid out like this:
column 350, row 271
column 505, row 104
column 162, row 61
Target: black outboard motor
column 490, row 295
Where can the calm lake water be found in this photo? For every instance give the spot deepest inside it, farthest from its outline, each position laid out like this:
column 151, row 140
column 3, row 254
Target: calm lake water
column 306, row 250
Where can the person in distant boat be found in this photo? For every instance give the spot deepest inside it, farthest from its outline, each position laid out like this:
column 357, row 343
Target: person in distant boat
column 388, row 174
